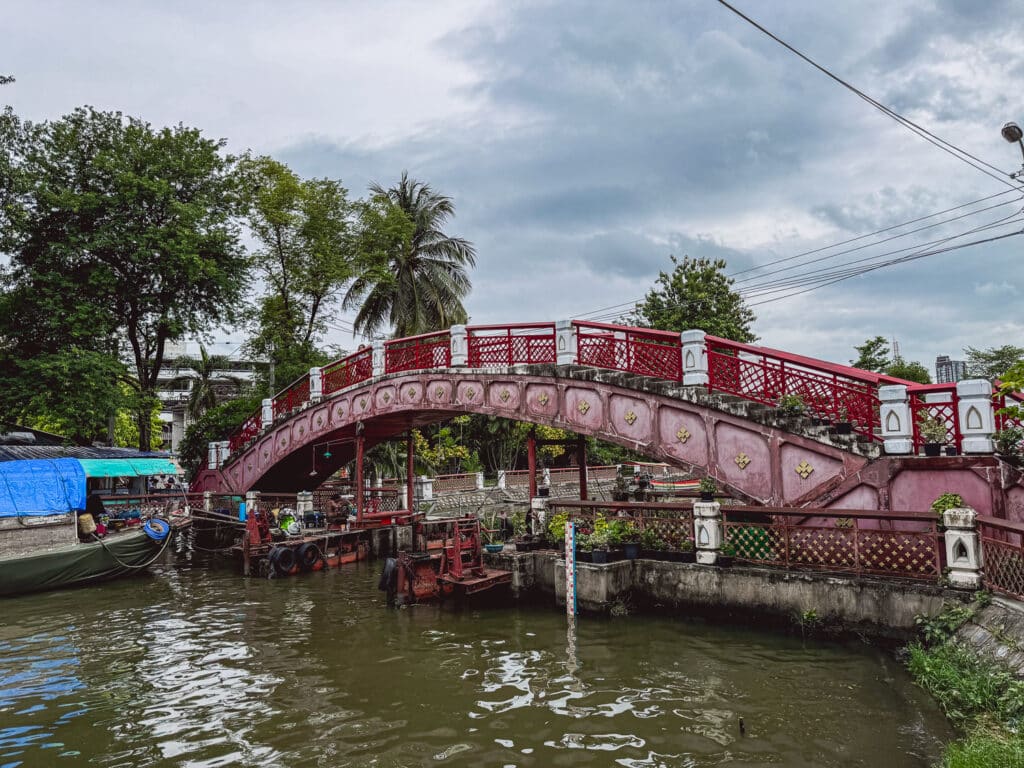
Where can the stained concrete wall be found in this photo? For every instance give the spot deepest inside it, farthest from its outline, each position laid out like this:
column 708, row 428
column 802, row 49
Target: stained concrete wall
column 997, row 632
column 878, row 607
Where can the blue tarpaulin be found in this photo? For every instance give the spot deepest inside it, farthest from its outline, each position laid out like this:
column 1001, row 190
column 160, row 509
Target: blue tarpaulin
column 41, row 487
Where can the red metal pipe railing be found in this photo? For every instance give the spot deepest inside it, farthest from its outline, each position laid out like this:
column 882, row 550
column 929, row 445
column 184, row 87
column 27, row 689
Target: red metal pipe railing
column 350, row 370
column 1002, row 546
column 415, row 353
column 643, row 351
column 490, row 345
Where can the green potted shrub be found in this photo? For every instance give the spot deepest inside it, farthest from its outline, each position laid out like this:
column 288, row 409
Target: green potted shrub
column 687, row 552
column 726, row 555
column 490, row 532
column 707, row 488
column 584, row 548
column 933, row 432
column 843, row 424
column 652, row 546
column 947, row 501
column 600, row 546
column 1009, row 444
column 791, row 405
column 629, row 538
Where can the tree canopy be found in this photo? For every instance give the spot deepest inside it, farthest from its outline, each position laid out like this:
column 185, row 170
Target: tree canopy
column 425, row 274
column 120, row 233
column 994, row 362
column 697, row 294
column 872, row 355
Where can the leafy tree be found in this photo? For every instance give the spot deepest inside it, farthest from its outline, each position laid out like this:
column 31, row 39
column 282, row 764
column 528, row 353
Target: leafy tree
column 427, row 278
column 910, row 370
column 1013, row 382
column 697, row 294
column 119, row 231
column 305, row 256
column 873, row 355
column 993, row 362
column 217, row 423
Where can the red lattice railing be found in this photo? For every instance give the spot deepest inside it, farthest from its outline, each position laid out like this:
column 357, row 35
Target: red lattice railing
column 292, row 398
column 673, row 522
column 1002, row 546
column 828, row 391
column 898, row 544
column 249, row 430
column 1003, row 401
column 936, row 401
column 634, row 350
column 416, row 353
column 349, row 370
column 502, row 345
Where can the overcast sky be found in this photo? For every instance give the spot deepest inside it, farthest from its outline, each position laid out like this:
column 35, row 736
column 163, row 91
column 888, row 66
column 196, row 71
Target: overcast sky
column 583, row 143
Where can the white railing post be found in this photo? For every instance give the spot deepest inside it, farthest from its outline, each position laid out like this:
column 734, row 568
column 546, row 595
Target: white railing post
column 267, row 417
column 501, row 478
column 479, row 481
column 316, row 385
column 694, row 353
column 225, row 451
column 379, row 359
column 897, row 424
column 460, row 345
column 252, row 503
column 707, row 530
column 565, row 343
column 208, row 501
column 963, row 553
column 212, row 455
column 977, row 415
column 423, row 488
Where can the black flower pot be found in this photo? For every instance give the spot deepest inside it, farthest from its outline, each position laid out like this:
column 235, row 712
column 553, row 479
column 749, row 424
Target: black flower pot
column 844, row 428
column 707, row 495
column 631, row 550
column 951, row 450
column 687, row 557
column 599, row 556
column 932, row 449
column 584, row 557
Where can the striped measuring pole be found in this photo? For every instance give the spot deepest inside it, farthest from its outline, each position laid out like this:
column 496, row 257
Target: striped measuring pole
column 570, row 568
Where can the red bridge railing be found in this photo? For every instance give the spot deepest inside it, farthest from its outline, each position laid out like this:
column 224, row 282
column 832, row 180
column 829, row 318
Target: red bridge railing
column 938, row 402
column 415, row 353
column 249, row 430
column 635, row 350
column 1002, row 545
column 501, row 345
column 295, row 396
column 828, row 391
column 349, row 370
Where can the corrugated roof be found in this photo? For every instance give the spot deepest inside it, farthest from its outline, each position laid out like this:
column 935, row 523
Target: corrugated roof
column 16, row 452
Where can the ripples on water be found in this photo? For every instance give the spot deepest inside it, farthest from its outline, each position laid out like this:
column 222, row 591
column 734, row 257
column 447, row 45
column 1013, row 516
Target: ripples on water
column 191, row 667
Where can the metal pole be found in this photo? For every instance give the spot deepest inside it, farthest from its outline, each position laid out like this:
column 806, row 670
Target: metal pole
column 359, row 478
column 570, row 568
column 531, row 463
column 409, row 470
column 581, row 457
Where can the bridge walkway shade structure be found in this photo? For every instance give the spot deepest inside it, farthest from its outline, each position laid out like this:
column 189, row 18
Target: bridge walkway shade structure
column 702, row 403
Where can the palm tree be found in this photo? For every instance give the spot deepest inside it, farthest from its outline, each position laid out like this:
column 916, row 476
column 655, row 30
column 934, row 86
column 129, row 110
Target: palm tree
column 427, row 269
column 211, row 371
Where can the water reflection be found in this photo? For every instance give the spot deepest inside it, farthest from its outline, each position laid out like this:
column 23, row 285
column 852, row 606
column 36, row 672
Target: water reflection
column 200, row 668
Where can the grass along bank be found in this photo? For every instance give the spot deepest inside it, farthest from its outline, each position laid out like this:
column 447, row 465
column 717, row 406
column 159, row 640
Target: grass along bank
column 982, row 699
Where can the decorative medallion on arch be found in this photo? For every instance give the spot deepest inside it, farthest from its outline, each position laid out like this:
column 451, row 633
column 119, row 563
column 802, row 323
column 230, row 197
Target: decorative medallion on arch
column 583, row 407
column 503, row 394
column 470, row 393
column 683, row 435
column 805, row 468
column 439, row 391
column 412, row 393
column 340, row 410
column 361, row 406
column 744, row 459
column 542, row 400
column 630, row 417
column 384, row 398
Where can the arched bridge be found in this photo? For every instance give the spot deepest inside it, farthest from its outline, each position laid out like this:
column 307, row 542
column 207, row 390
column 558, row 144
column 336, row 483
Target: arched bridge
column 705, row 404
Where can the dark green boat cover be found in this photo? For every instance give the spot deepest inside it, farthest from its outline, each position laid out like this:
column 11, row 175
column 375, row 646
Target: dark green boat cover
column 76, row 563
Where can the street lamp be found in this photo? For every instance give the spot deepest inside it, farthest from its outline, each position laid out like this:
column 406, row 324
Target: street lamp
column 1013, row 134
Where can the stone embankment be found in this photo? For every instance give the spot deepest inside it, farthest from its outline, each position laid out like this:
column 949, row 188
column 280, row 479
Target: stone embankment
column 997, row 633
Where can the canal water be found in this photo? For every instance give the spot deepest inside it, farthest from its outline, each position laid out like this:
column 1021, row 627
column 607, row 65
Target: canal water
column 192, row 667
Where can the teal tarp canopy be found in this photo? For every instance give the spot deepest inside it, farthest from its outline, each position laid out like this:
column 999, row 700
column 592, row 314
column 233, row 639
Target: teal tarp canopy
column 127, row 467
column 41, row 487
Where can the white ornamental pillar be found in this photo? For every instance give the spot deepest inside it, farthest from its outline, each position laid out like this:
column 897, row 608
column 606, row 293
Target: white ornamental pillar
column 546, row 477
column 977, row 415
column 460, row 345
column 316, row 385
column 501, row 478
column 694, row 352
column 897, row 424
column 707, row 530
column 267, row 417
column 303, row 503
column 212, row 455
column 379, row 359
column 424, row 488
column 225, row 451
column 208, row 501
column 479, row 481
column 963, row 554
column 252, row 503
column 565, row 342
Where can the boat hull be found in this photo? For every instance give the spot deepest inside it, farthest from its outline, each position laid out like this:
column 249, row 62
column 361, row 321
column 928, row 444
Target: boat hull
column 77, row 564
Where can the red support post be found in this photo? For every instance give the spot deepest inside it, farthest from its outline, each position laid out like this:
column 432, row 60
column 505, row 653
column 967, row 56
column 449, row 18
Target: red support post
column 409, row 457
column 581, row 457
column 359, row 478
column 531, row 463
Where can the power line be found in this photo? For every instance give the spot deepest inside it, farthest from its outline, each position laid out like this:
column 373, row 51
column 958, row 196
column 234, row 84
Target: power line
column 910, row 125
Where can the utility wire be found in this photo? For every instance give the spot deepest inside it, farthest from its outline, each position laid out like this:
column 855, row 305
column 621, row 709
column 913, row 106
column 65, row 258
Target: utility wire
column 945, row 146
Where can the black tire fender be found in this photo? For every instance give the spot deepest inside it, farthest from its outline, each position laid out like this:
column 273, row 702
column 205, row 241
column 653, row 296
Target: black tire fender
column 308, row 554
column 283, row 560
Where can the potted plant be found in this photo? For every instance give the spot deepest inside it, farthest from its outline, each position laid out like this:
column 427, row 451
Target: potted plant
column 1009, row 444
column 687, row 553
column 584, row 548
column 933, row 432
column 791, row 405
column 726, row 555
column 523, row 541
column 947, row 501
column 707, row 488
column 630, row 540
column 600, row 547
column 652, row 546
column 490, row 531
column 843, row 425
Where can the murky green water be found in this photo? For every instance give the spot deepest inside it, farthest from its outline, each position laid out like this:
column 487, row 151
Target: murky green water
column 192, row 667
